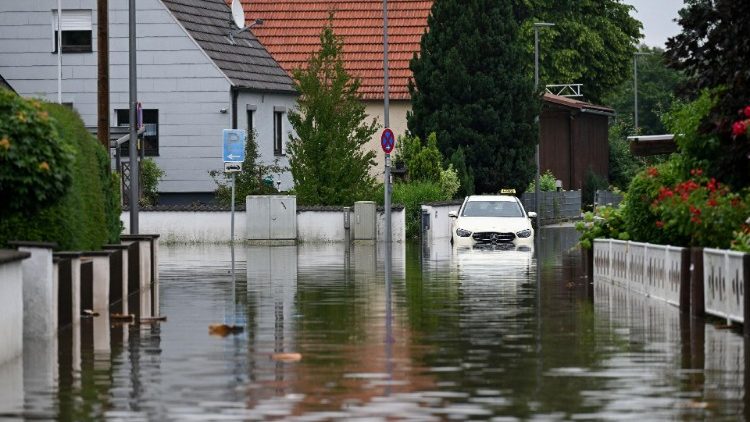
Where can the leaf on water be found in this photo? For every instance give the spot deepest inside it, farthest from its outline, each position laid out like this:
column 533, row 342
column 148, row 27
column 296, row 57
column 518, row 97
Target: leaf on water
column 287, row 357
column 223, row 330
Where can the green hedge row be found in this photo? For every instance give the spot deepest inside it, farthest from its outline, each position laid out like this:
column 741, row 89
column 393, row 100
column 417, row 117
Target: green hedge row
column 88, row 214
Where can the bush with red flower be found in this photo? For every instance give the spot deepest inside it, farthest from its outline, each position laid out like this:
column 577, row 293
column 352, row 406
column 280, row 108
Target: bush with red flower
column 700, row 212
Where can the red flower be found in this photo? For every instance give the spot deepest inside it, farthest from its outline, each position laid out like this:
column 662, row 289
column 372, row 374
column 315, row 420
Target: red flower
column 695, row 220
column 695, row 211
column 712, row 185
column 747, row 111
column 739, row 128
column 659, row 224
column 652, row 171
column 712, row 202
column 696, row 172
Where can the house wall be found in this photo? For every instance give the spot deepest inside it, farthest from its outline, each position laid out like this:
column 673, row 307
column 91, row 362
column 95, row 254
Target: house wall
column 590, row 147
column 174, row 76
column 263, row 115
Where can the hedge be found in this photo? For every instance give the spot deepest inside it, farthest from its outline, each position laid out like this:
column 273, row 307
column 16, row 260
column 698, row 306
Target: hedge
column 88, row 215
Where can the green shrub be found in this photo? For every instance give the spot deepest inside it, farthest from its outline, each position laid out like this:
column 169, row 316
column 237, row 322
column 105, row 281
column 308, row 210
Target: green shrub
column 640, row 219
column 412, row 196
column 35, row 162
column 741, row 240
column 449, row 182
column 423, row 162
column 150, row 176
column 547, row 183
column 699, row 212
column 591, row 184
column 604, row 222
column 87, row 216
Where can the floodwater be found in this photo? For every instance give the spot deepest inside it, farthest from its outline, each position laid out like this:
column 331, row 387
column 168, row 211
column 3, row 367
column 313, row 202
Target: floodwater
column 470, row 335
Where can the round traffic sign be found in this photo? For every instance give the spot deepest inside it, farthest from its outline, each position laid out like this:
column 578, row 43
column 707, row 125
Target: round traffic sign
column 387, row 140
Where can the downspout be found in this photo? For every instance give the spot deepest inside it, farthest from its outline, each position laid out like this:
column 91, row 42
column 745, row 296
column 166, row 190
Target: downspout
column 235, row 93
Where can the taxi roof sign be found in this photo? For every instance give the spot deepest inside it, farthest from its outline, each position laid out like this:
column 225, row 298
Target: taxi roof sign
column 507, row 191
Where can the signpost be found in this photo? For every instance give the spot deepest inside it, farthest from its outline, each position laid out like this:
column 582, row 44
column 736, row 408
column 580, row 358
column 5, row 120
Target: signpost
column 233, row 154
column 387, row 140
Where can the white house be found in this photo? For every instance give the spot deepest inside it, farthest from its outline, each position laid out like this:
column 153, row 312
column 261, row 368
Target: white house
column 193, row 80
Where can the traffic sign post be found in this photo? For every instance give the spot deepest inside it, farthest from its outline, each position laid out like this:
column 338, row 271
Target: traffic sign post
column 233, row 155
column 387, row 140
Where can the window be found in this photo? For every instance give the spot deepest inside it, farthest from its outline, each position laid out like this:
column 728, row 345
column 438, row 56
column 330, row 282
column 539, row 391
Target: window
column 278, row 118
column 76, row 31
column 150, row 135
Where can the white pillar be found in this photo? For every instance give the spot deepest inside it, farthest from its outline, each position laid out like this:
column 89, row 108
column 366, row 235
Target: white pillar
column 11, row 304
column 39, row 291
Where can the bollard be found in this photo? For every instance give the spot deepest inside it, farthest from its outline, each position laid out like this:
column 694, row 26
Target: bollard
column 11, row 304
column 69, row 288
column 685, row 281
column 118, row 278
column 697, row 303
column 39, row 290
column 139, row 271
column 99, row 282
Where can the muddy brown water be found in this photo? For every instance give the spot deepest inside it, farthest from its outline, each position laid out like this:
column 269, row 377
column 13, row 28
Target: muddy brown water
column 472, row 335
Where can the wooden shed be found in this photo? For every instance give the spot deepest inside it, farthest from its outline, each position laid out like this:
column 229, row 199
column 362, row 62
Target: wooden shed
column 573, row 139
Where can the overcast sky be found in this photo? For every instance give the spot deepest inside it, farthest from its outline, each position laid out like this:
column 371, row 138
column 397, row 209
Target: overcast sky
column 657, row 17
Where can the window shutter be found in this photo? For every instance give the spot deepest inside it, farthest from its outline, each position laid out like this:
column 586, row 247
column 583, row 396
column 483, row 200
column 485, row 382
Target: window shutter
column 73, row 20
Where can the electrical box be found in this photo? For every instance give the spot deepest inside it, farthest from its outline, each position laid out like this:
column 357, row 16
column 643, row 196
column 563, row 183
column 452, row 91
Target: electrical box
column 271, row 217
column 283, row 224
column 364, row 224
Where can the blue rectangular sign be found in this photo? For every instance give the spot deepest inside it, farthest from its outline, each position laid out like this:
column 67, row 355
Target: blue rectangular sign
column 234, row 145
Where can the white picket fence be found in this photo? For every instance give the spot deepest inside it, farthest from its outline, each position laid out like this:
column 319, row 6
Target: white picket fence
column 724, row 284
column 651, row 270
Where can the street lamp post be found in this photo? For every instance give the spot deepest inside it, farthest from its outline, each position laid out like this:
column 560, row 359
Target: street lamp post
column 635, row 87
column 537, row 26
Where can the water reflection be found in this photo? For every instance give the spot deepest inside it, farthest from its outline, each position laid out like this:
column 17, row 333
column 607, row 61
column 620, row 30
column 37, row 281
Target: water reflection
column 476, row 334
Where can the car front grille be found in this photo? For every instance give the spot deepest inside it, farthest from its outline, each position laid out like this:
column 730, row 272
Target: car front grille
column 493, row 237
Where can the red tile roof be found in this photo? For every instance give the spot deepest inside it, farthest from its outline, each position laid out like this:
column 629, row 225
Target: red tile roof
column 291, row 33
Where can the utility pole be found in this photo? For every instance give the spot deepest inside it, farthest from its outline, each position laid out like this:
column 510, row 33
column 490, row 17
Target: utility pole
column 387, row 176
column 133, row 150
column 635, row 88
column 102, row 48
column 537, row 25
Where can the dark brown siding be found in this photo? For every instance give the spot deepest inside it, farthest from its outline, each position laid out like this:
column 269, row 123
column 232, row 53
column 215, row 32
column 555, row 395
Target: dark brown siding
column 571, row 143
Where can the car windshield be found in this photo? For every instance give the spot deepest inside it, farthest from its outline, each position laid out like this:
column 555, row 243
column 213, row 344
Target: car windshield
column 492, row 209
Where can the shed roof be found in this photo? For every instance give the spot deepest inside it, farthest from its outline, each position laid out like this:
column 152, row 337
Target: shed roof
column 291, row 33
column 576, row 104
column 246, row 63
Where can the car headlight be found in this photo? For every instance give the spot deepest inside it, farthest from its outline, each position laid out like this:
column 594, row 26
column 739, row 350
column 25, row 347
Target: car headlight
column 462, row 233
column 524, row 233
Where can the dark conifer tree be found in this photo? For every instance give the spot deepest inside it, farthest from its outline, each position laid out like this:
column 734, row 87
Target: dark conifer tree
column 471, row 88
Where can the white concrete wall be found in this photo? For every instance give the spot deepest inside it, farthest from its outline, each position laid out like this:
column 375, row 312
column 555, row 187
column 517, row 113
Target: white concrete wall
column 321, row 226
column 11, row 307
column 214, row 226
column 101, row 284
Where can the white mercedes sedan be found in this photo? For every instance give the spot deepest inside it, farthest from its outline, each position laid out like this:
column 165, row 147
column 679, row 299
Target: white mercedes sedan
column 492, row 220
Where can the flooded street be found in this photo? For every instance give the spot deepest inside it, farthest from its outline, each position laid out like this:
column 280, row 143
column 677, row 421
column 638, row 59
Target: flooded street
column 474, row 334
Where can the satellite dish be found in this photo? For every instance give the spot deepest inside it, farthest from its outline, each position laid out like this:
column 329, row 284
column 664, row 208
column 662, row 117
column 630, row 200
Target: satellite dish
column 238, row 14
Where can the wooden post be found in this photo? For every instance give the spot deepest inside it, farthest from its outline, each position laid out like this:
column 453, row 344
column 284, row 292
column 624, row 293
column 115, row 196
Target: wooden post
column 102, row 47
column 588, row 258
column 697, row 302
column 685, row 281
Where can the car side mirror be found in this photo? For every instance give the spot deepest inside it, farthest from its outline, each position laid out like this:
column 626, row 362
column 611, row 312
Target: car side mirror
column 452, row 214
column 532, row 214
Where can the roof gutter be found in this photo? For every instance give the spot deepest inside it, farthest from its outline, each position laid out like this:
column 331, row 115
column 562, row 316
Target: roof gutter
column 597, row 112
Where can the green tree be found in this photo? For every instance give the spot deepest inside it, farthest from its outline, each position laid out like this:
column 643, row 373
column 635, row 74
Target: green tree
column 656, row 87
column 713, row 50
column 592, row 43
column 424, row 162
column 326, row 156
column 470, row 88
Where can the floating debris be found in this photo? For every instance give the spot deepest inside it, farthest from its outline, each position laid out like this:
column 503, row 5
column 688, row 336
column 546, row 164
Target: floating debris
column 224, row 330
column 122, row 317
column 287, row 357
column 89, row 313
column 148, row 320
